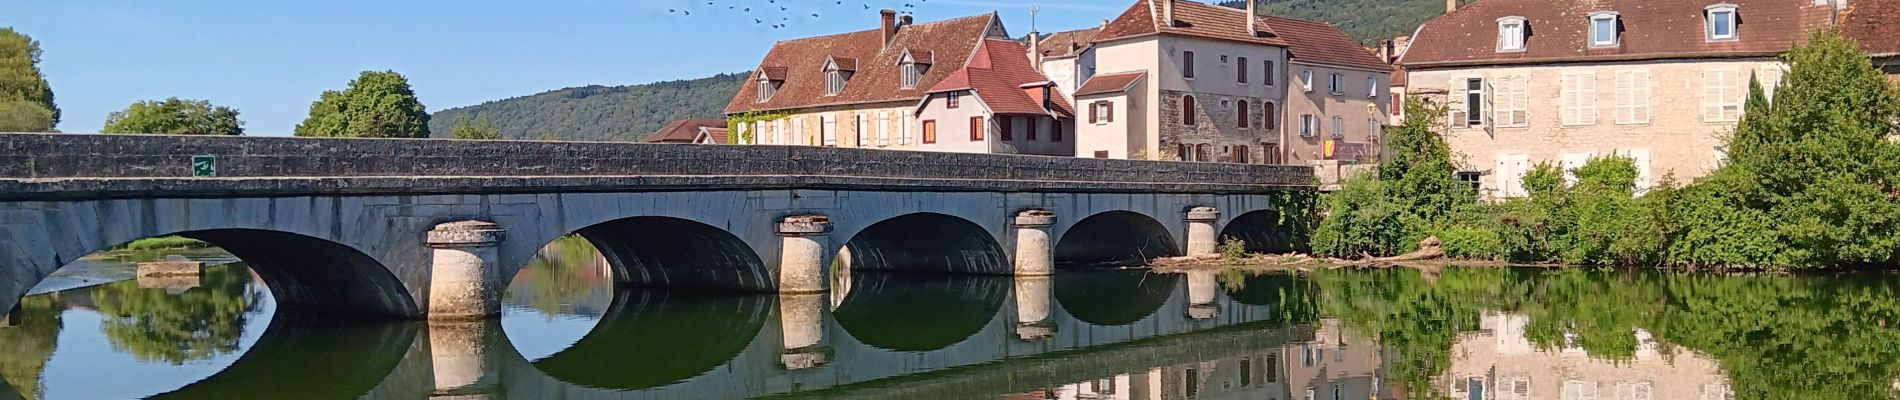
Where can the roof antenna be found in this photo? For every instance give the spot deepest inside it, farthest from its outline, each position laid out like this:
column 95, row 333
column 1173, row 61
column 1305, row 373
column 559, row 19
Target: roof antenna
column 1033, row 10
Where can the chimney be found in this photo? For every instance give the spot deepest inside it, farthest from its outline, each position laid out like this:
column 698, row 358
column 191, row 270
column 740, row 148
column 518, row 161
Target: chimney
column 887, row 20
column 1104, row 24
column 1167, row 12
column 1451, row 5
column 903, row 21
column 1253, row 16
column 1385, row 51
column 1035, row 50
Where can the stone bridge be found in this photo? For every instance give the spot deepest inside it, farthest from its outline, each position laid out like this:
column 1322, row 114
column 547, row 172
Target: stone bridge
column 432, row 228
column 1011, row 335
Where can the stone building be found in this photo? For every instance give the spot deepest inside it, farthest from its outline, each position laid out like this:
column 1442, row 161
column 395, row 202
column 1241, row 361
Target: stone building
column 865, row 88
column 1659, row 81
column 997, row 103
column 1197, row 82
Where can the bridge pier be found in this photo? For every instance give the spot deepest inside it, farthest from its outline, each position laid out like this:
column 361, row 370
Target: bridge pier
column 801, row 266
column 460, row 361
column 1201, row 232
column 1033, row 294
column 1202, row 302
column 464, row 281
column 1035, row 253
column 801, row 321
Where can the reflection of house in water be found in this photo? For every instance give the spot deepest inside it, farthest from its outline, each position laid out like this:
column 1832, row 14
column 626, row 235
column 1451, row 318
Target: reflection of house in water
column 1333, row 364
column 1336, row 364
column 1499, row 362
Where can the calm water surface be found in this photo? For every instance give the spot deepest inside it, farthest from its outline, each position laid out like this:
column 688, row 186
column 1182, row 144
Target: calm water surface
column 1101, row 334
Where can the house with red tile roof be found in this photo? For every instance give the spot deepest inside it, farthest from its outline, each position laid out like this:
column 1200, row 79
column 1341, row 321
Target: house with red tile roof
column 1181, row 79
column 691, row 130
column 997, row 103
column 1065, row 57
column 1659, row 81
column 865, row 88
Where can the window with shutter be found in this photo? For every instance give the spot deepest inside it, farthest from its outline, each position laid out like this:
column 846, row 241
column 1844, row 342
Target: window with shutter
column 1268, row 68
column 1187, row 110
column 1245, row 113
column 930, row 131
column 1187, row 64
column 1579, row 98
column 976, row 129
column 1240, row 70
column 1005, row 131
column 1269, row 116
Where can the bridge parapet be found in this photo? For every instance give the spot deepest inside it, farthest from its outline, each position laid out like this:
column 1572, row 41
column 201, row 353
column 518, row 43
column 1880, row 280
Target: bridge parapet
column 81, row 163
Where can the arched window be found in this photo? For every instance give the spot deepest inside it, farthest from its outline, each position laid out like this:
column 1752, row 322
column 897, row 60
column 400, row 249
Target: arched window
column 1187, row 110
column 1270, row 116
column 1200, row 152
column 1245, row 113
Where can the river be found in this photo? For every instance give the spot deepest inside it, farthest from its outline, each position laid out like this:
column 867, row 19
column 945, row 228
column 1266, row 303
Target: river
column 566, row 332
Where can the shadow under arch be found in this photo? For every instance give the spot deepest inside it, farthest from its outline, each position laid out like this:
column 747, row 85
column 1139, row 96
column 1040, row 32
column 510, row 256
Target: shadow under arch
column 310, row 356
column 678, row 253
column 650, row 339
column 1115, row 237
column 919, row 312
column 1115, row 297
column 315, row 275
column 927, row 242
column 1262, row 231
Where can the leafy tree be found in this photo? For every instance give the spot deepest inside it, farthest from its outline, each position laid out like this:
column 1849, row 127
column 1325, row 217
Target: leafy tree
column 1818, row 163
column 480, row 130
column 24, row 116
column 174, row 116
column 21, row 80
column 376, row 104
column 1413, row 193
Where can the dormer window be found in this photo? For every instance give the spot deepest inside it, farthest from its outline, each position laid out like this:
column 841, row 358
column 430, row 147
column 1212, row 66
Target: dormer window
column 1721, row 22
column 766, row 89
column 1603, row 29
column 1511, row 34
column 769, row 79
column 911, row 70
column 837, row 73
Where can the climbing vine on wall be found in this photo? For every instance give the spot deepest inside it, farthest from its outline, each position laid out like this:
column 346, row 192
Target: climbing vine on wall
column 739, row 126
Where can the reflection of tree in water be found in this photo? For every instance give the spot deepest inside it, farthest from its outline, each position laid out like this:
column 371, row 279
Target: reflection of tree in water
column 202, row 322
column 25, row 347
column 560, row 275
column 1776, row 337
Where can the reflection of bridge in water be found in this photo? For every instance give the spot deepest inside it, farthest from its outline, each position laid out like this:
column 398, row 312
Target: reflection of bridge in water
column 919, row 329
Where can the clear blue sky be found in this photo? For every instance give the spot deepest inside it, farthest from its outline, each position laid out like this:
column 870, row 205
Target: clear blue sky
column 270, row 59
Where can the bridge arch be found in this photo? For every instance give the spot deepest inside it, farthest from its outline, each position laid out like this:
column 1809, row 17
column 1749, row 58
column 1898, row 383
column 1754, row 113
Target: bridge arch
column 675, row 252
column 1262, row 231
column 1115, row 237
column 926, row 242
column 919, row 312
column 1115, row 297
column 672, row 335
column 302, row 272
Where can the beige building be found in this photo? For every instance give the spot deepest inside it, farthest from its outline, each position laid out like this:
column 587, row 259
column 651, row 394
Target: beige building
column 1659, row 81
column 1185, row 80
column 866, row 89
column 1498, row 362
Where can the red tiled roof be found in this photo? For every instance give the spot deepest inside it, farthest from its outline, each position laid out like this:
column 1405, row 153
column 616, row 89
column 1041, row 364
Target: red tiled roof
column 1109, row 83
column 1398, row 76
column 718, row 134
column 1321, row 43
column 1875, row 24
column 998, row 73
column 800, row 64
column 683, row 131
column 1651, row 29
column 1067, row 43
column 1191, row 18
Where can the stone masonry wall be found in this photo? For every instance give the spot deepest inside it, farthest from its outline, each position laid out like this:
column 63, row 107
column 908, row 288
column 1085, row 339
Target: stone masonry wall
column 1215, row 125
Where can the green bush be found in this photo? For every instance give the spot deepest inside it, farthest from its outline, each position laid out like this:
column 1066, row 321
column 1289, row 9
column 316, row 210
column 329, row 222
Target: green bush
column 1469, row 243
column 164, row 242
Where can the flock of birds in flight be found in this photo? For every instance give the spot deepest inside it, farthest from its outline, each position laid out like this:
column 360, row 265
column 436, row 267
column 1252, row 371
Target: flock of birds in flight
column 782, row 7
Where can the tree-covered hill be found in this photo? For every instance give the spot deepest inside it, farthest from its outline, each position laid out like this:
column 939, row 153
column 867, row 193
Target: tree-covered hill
column 1367, row 21
column 610, row 113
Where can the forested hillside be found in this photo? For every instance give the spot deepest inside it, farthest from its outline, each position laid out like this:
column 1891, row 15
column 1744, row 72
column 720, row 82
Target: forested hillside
column 1366, row 20
column 610, row 113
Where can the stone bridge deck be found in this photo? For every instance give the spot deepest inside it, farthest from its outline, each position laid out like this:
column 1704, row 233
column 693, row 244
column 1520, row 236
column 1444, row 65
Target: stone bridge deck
column 416, row 228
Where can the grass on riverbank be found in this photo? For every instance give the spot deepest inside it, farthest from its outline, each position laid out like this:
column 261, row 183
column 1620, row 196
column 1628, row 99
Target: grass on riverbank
column 164, row 242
